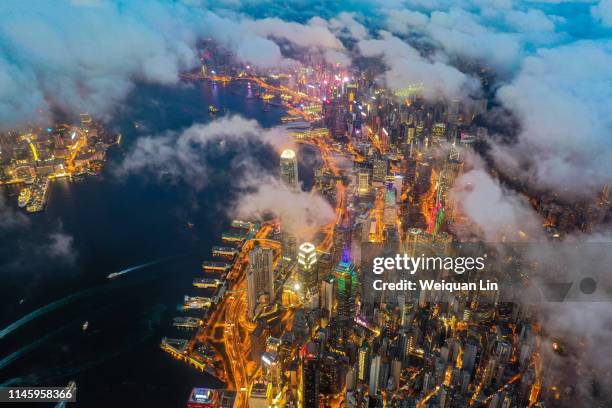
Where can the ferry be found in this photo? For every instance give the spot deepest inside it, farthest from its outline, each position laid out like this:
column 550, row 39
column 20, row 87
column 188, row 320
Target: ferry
column 24, row 197
column 196, row 302
column 203, row 398
column 231, row 237
column 206, row 283
column 242, row 224
column 186, row 322
column 216, row 266
column 225, row 252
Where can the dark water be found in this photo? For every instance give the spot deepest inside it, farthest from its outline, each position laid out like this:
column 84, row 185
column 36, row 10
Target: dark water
column 117, row 224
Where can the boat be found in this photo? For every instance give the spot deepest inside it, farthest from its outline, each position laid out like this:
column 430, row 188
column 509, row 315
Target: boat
column 190, row 224
column 85, row 325
column 213, row 109
column 24, row 197
column 114, row 275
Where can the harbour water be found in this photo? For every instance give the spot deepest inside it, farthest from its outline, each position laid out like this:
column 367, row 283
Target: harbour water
column 159, row 232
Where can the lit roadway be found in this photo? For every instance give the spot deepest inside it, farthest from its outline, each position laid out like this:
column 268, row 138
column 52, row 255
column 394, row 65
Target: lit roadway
column 328, row 160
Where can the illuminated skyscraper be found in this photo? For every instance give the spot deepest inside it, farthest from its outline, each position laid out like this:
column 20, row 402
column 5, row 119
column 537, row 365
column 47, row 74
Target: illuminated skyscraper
column 346, row 292
column 342, row 238
column 289, row 168
column 363, row 362
column 363, row 182
column 307, row 267
column 260, row 277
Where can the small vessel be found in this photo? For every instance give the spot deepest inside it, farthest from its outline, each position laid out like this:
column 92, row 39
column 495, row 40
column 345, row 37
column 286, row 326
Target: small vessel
column 114, row 275
column 24, row 197
column 213, row 109
column 190, row 224
column 85, row 325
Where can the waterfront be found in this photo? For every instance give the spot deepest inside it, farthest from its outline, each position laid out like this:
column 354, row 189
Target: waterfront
column 117, row 225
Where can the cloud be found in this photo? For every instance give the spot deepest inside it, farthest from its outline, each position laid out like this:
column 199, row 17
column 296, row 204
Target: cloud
column 78, row 57
column 302, row 213
column 24, row 245
column 406, row 66
column 86, row 57
column 346, row 25
column 60, row 245
column 602, row 12
column 9, row 217
column 185, row 155
column 562, row 105
column 495, row 213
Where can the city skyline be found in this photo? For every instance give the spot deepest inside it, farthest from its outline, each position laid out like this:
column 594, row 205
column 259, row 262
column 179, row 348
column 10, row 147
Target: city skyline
column 245, row 186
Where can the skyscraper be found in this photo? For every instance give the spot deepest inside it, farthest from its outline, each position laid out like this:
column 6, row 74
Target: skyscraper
column 289, row 168
column 307, row 267
column 374, row 375
column 260, row 277
column 346, row 288
column 363, row 362
column 310, row 376
column 363, row 182
column 379, row 172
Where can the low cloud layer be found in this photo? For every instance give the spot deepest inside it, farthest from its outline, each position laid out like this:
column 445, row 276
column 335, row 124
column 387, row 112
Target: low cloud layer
column 561, row 98
column 185, row 157
column 495, row 213
column 407, row 67
column 86, row 56
column 301, row 213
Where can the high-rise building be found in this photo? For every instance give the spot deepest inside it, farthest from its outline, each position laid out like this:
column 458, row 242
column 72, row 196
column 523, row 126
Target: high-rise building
column 260, row 277
column 288, row 246
column 307, row 267
column 379, row 170
column 327, row 295
column 363, row 362
column 363, row 182
column 342, row 238
column 289, row 168
column 310, row 376
column 374, row 375
column 390, row 208
column 438, row 133
column 346, row 292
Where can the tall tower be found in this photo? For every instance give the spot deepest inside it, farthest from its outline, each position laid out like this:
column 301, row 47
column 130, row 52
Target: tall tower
column 307, row 267
column 311, row 376
column 374, row 375
column 289, row 168
column 363, row 362
column 346, row 293
column 260, row 277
